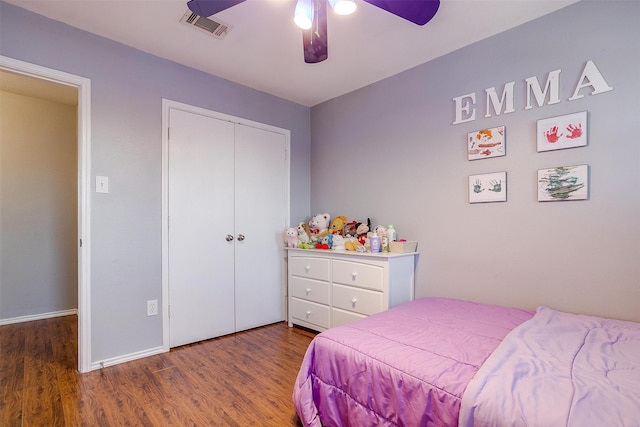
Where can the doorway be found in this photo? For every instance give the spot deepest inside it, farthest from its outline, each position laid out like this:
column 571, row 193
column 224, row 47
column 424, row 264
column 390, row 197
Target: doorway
column 82, row 86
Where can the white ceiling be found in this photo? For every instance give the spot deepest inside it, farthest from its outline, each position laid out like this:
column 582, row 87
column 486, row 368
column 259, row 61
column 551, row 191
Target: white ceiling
column 263, row 50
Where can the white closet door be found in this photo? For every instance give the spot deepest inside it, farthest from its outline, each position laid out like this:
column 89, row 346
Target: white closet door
column 261, row 208
column 201, row 215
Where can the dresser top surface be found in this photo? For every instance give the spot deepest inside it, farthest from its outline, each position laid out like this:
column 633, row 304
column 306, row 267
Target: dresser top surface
column 383, row 255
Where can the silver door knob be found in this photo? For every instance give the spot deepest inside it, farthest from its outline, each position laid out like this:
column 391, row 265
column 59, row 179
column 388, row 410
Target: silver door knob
column 240, row 237
column 229, row 238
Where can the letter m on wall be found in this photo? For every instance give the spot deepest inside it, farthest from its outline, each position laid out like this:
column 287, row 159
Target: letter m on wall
column 505, row 101
column 552, row 87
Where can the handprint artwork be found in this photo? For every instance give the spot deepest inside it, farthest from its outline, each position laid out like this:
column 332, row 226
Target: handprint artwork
column 574, row 131
column 477, row 187
column 496, row 186
column 552, row 135
column 562, row 132
column 490, row 187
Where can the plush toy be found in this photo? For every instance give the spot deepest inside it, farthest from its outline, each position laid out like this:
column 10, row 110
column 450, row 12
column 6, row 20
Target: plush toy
column 338, row 243
column 304, row 234
column 319, row 225
column 361, row 231
column 352, row 244
column 325, row 242
column 337, row 225
column 292, row 237
column 349, row 229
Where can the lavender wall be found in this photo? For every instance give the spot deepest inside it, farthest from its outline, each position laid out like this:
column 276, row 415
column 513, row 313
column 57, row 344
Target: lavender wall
column 391, row 152
column 127, row 87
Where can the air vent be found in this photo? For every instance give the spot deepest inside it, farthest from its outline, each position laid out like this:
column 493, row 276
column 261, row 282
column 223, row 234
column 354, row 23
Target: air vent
column 214, row 28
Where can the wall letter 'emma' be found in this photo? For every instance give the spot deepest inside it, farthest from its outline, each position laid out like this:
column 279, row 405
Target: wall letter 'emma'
column 591, row 77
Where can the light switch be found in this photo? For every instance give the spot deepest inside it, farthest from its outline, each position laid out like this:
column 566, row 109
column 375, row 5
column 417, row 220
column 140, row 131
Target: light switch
column 102, row 184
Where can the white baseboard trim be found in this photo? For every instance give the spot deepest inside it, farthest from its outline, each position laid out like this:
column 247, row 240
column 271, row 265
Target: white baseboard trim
column 126, row 358
column 42, row 316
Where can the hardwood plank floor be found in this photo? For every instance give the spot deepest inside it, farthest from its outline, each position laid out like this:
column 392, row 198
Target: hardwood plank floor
column 244, row 379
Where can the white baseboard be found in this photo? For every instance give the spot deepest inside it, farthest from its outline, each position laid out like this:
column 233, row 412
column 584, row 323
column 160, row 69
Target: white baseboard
column 126, row 358
column 42, row 316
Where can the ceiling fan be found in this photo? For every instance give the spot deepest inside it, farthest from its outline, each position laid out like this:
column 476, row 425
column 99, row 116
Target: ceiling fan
column 311, row 16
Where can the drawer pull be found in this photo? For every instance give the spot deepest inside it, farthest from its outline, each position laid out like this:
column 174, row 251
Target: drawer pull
column 307, row 291
column 307, row 268
column 353, row 302
column 354, row 275
column 307, row 314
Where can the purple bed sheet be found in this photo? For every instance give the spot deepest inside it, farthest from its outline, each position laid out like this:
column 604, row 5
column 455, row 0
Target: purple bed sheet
column 559, row 369
column 407, row 366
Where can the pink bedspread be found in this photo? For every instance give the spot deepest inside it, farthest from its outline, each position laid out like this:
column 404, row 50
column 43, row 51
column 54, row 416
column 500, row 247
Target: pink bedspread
column 559, row 369
column 408, row 366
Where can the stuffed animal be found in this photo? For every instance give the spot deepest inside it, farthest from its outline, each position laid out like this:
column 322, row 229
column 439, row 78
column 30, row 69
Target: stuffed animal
column 319, row 225
column 338, row 243
column 361, row 231
column 304, row 234
column 349, row 229
column 292, row 237
column 337, row 225
column 325, row 242
column 352, row 244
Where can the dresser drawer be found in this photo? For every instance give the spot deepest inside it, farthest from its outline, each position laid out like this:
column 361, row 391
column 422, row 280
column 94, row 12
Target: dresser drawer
column 340, row 317
column 312, row 268
column 310, row 312
column 310, row 289
column 358, row 274
column 357, row 300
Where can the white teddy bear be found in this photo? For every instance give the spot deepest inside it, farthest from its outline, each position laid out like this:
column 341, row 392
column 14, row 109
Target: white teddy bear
column 319, row 225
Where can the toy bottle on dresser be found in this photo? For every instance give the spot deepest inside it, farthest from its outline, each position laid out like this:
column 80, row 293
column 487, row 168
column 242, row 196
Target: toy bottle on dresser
column 374, row 243
column 391, row 233
column 384, row 240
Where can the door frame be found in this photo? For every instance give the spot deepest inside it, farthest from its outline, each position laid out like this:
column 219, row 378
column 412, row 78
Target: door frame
column 167, row 105
column 83, row 85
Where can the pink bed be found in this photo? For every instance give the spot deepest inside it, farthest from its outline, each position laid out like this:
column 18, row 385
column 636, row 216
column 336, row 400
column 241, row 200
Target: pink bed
column 408, row 366
column 442, row 362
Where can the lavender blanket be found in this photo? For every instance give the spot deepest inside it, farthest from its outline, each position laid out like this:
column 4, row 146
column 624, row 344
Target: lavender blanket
column 559, row 369
column 408, row 366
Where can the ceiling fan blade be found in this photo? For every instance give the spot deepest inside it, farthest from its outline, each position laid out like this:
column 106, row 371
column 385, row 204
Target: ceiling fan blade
column 417, row 11
column 210, row 7
column 314, row 40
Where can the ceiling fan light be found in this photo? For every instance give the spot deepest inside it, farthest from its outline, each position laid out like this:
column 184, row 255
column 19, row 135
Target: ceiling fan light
column 343, row 7
column 303, row 15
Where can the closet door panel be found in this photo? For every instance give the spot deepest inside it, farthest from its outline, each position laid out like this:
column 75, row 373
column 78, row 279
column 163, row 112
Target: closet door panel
column 201, row 214
column 261, row 209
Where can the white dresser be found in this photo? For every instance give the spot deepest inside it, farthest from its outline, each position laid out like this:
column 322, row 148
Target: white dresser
column 328, row 288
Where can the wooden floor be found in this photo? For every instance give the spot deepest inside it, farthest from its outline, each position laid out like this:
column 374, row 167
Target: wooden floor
column 245, row 379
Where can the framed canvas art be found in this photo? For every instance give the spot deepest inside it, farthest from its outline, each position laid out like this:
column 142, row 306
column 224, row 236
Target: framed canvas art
column 486, row 143
column 557, row 133
column 488, row 187
column 563, row 183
